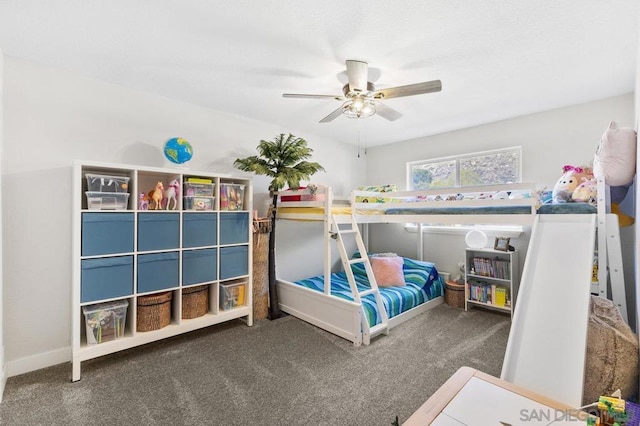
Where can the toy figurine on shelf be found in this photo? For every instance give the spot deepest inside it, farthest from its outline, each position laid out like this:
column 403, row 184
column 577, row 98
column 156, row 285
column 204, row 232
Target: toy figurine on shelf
column 156, row 195
column 143, row 201
column 172, row 193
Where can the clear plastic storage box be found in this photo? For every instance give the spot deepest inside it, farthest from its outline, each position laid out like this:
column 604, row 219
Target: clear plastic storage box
column 198, row 189
column 107, row 200
column 232, row 295
column 107, row 183
column 231, row 196
column 198, row 203
column 105, row 321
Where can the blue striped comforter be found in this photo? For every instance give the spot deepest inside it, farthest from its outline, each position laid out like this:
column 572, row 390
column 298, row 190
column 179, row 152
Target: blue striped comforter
column 422, row 284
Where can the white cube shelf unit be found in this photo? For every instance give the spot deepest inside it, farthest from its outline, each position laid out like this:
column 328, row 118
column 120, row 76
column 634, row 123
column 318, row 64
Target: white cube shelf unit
column 125, row 248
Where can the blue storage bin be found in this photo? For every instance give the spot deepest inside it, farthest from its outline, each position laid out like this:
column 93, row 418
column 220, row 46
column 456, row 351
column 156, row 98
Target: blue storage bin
column 234, row 228
column 158, row 271
column 106, row 278
column 158, row 231
column 234, row 262
column 107, row 233
column 199, row 229
column 199, row 266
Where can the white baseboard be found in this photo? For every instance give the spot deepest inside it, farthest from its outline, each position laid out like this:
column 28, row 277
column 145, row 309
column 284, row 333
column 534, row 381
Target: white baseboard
column 38, row 361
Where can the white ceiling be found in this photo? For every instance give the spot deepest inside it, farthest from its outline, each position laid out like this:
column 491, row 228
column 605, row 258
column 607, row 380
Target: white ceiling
column 497, row 59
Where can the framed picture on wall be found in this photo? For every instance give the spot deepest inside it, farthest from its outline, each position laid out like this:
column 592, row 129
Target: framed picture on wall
column 501, row 244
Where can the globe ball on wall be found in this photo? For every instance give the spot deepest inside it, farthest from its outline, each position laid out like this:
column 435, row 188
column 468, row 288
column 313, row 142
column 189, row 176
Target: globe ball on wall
column 178, row 150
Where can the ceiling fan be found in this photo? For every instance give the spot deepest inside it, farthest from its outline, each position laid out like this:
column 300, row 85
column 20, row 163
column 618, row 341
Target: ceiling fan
column 361, row 99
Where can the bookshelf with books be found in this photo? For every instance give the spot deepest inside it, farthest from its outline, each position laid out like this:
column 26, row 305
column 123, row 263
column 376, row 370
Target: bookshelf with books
column 492, row 278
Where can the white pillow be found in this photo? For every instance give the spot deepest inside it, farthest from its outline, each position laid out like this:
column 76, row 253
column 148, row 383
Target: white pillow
column 615, row 158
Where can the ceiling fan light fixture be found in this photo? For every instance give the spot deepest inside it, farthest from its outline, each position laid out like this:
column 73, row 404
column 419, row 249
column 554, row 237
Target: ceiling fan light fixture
column 359, row 107
column 361, row 99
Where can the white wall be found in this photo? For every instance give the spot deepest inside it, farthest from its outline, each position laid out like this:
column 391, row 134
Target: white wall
column 53, row 117
column 636, row 278
column 549, row 140
column 3, row 370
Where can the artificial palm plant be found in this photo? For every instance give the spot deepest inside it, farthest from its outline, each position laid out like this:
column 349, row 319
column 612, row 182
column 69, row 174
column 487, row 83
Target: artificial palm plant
column 283, row 159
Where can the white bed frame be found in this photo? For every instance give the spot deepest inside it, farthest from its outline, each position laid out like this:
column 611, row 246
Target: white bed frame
column 344, row 318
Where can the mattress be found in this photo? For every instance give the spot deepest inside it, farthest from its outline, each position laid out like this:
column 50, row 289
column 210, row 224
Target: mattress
column 568, row 208
column 460, row 210
column 422, row 284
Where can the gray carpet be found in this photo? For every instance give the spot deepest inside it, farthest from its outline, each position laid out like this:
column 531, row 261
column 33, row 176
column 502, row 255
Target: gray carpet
column 282, row 372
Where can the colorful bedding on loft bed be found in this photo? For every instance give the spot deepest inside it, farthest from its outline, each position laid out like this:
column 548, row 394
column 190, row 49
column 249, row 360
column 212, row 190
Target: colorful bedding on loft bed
column 460, row 210
column 568, row 208
column 422, row 284
column 481, row 200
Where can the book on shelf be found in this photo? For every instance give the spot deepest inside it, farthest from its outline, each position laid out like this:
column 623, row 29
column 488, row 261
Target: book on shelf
column 496, row 268
column 501, row 296
column 492, row 294
column 480, row 291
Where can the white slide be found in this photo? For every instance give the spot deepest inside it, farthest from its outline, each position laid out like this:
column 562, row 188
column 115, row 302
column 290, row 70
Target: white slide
column 547, row 342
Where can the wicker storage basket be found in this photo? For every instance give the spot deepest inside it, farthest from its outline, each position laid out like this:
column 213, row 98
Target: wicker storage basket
column 454, row 294
column 195, row 301
column 154, row 311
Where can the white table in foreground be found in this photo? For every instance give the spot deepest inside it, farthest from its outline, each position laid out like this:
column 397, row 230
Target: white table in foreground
column 471, row 397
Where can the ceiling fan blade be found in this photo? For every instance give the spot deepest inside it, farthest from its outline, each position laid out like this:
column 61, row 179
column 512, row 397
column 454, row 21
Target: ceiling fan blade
column 357, row 73
column 332, row 116
column 409, row 90
column 302, row 95
column 385, row 112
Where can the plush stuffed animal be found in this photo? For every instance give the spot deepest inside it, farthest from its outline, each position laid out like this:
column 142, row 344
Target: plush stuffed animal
column 586, row 192
column 615, row 158
column 568, row 182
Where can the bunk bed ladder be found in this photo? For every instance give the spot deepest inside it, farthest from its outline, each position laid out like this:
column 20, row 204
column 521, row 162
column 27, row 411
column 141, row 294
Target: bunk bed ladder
column 609, row 252
column 352, row 229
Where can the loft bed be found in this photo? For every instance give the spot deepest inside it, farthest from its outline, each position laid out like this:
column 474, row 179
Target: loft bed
column 327, row 301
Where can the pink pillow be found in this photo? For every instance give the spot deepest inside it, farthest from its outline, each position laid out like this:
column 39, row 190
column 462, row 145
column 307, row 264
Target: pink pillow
column 388, row 271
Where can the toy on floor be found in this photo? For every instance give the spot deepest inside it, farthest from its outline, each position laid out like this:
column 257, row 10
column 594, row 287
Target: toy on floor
column 612, row 411
column 156, row 195
column 172, row 193
column 568, row 182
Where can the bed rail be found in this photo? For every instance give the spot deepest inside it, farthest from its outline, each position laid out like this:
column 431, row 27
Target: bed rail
column 312, row 205
column 488, row 204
